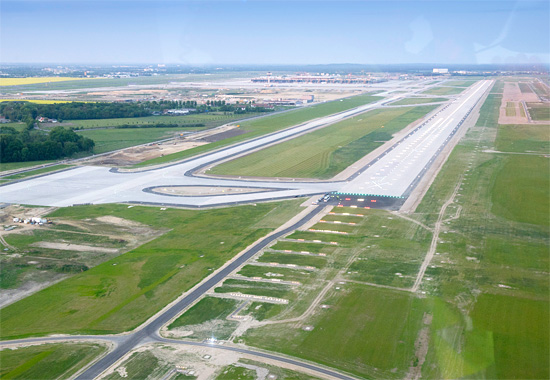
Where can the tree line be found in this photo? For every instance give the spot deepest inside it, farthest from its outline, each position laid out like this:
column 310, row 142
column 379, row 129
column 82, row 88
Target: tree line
column 37, row 146
column 28, row 112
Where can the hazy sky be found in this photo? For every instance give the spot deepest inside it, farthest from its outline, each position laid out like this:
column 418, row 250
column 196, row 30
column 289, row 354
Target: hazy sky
column 284, row 32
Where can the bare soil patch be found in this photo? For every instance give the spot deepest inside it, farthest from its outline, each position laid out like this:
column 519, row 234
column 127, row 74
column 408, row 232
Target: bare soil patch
column 513, row 108
column 74, row 247
column 135, row 155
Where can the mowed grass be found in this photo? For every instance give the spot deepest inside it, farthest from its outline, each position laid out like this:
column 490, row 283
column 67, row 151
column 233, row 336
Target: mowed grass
column 107, row 140
column 539, row 111
column 35, row 80
column 444, row 91
column 523, row 138
column 506, row 338
column 5, row 166
column 460, row 83
column 367, row 331
column 47, row 361
column 123, row 292
column 273, row 123
column 325, row 152
column 522, row 183
column 408, row 101
column 36, row 172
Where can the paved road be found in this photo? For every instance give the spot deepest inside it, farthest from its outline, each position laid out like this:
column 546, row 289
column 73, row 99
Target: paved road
column 149, row 332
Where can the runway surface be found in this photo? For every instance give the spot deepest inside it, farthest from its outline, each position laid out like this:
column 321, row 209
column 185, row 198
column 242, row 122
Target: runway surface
column 391, row 174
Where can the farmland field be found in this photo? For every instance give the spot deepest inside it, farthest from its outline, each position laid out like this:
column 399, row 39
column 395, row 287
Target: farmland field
column 273, row 123
column 35, row 80
column 444, row 91
column 47, row 361
column 327, row 151
column 123, row 292
column 539, row 111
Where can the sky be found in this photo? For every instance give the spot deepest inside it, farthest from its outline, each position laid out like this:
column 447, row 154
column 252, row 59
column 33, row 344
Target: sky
column 274, row 32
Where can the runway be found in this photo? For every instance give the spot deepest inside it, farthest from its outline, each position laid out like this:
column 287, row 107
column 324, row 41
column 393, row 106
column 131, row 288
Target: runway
column 391, row 174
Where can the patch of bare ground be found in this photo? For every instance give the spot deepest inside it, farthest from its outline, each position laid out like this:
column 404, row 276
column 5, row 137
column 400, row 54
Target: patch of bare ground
column 42, row 258
column 135, row 155
column 514, row 99
column 421, row 346
column 73, row 247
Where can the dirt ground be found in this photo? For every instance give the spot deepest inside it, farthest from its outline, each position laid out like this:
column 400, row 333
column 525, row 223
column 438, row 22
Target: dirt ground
column 135, row 155
column 512, row 94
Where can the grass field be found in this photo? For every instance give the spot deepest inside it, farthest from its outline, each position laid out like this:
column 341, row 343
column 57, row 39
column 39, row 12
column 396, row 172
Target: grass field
column 367, row 331
column 16, row 125
column 522, row 182
column 142, row 365
column 444, row 91
column 539, row 111
column 325, row 152
column 523, row 138
column 35, row 172
column 205, row 310
column 460, row 83
column 408, row 101
column 5, row 166
column 35, row 80
column 47, row 361
column 107, row 140
column 273, row 123
column 208, row 119
column 232, row 372
column 489, row 282
column 123, row 292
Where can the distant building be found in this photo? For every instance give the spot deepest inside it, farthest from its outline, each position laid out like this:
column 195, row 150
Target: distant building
column 177, row 112
column 441, row 71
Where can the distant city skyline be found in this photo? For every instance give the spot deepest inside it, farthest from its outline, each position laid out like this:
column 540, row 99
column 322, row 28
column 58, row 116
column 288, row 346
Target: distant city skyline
column 274, row 32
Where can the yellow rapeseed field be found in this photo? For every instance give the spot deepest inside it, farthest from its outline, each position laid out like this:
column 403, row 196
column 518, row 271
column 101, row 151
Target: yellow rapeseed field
column 34, row 80
column 38, row 101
